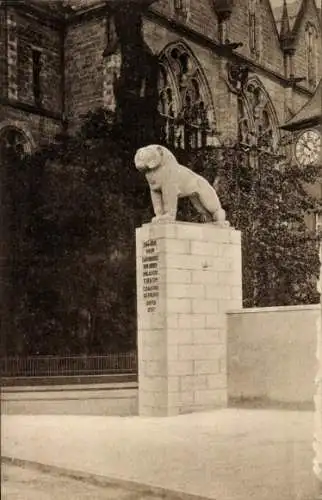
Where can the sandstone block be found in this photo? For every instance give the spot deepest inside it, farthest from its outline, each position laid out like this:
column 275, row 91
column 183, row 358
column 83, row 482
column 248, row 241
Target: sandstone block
column 204, row 306
column 196, row 352
column 175, row 246
column 193, row 321
column 188, row 231
column 180, row 368
column 178, row 261
column 154, row 384
column 194, row 382
column 178, row 305
column 218, row 292
column 180, row 336
column 217, row 397
column 185, row 290
column 208, row 336
column 204, row 248
column 173, row 384
column 179, row 276
column 217, row 381
column 207, row 366
column 180, row 398
column 205, row 276
column 172, row 321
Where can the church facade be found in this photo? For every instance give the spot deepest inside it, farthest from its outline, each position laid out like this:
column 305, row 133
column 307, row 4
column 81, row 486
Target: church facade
column 226, row 70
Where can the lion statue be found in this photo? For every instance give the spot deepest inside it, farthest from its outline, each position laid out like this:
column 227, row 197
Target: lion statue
column 168, row 181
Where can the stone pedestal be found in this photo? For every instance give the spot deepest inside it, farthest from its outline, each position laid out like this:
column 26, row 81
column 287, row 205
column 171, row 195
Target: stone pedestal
column 188, row 276
column 317, row 444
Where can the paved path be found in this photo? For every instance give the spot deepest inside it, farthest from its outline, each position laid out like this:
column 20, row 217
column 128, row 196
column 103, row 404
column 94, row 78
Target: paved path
column 224, row 455
column 28, row 482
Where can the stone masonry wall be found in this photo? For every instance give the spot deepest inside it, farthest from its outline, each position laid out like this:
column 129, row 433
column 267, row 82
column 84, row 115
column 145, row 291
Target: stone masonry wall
column 84, row 46
column 84, row 64
column 300, row 57
column 19, row 35
column 201, row 15
column 38, row 129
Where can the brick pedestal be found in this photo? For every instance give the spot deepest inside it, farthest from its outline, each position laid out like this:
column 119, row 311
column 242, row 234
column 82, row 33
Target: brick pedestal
column 188, row 276
column 317, row 443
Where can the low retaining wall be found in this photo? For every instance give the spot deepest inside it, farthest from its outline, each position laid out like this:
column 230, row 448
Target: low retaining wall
column 271, row 354
column 271, row 359
column 98, row 399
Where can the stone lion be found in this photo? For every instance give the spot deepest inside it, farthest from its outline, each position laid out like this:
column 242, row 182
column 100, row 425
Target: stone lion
column 168, row 181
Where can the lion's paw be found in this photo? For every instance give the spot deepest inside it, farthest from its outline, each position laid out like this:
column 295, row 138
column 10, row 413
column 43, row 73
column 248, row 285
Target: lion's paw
column 163, row 218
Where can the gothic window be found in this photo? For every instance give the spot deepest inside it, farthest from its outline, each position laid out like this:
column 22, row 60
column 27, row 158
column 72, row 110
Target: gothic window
column 256, row 118
column 13, row 144
column 36, row 70
column 311, row 50
column 252, row 26
column 185, row 103
column 181, row 8
column 255, row 28
column 111, row 35
column 179, row 4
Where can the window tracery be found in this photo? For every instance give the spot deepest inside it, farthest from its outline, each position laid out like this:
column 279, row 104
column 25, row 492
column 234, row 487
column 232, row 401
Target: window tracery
column 13, row 144
column 181, row 9
column 185, row 103
column 257, row 124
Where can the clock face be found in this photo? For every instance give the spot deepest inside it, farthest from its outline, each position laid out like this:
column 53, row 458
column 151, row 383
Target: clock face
column 308, row 147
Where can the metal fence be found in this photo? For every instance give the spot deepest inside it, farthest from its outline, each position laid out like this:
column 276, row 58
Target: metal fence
column 54, row 366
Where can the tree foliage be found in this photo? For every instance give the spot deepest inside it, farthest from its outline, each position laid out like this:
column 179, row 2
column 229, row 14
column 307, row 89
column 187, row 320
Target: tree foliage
column 268, row 203
column 73, row 249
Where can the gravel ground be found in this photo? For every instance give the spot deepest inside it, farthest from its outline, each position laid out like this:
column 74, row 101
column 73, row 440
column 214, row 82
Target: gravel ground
column 229, row 454
column 28, row 483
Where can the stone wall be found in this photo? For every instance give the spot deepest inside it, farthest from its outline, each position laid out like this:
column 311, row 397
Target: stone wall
column 119, row 399
column 270, row 54
column 39, row 129
column 271, row 354
column 86, row 40
column 20, row 34
column 201, row 16
column 300, row 57
column 84, row 63
column 46, row 38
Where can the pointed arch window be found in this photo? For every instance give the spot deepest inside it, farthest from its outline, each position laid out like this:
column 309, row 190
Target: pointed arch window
column 13, row 144
column 311, row 53
column 252, row 26
column 185, row 103
column 257, row 123
column 181, row 8
column 111, row 35
column 255, row 29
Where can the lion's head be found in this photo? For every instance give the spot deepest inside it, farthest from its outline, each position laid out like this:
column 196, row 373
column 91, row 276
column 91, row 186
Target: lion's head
column 152, row 156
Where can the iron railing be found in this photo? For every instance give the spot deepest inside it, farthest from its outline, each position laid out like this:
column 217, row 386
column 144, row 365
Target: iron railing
column 54, row 366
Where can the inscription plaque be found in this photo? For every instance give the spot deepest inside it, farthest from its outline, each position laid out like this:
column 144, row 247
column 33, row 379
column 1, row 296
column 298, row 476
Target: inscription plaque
column 150, row 262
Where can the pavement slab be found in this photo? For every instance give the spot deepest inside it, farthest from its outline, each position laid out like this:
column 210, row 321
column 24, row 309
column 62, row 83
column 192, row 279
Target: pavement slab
column 230, row 454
